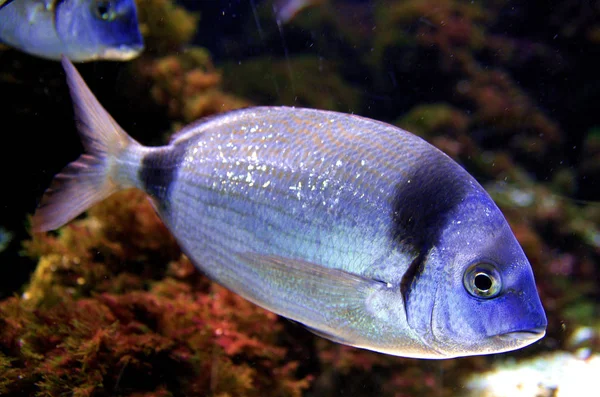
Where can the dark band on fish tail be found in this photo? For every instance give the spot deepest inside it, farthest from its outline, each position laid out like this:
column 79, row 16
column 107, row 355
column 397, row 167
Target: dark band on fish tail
column 159, row 170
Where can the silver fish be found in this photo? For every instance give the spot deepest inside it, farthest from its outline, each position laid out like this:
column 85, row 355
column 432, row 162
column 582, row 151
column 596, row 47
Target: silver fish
column 5, row 238
column 82, row 30
column 361, row 231
column 286, row 10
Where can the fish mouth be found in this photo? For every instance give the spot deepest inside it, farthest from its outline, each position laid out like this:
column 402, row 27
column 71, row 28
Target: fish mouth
column 528, row 335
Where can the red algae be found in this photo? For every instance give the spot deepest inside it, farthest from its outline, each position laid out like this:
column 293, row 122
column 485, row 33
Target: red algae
column 188, row 85
column 119, row 310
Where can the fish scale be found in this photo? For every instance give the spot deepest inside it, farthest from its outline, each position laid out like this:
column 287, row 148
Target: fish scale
column 359, row 230
column 289, row 187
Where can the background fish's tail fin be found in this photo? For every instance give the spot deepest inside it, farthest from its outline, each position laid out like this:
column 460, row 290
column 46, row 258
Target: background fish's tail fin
column 94, row 175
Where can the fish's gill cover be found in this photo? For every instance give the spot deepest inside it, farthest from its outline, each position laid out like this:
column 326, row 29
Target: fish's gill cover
column 421, row 209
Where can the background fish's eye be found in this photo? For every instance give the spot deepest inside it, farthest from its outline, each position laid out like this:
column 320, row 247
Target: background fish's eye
column 104, row 10
column 482, row 280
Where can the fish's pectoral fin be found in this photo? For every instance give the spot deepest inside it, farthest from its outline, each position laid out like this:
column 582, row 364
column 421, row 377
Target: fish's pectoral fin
column 330, row 302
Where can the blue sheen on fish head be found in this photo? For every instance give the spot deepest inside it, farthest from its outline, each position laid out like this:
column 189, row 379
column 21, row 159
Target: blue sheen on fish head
column 486, row 299
column 99, row 29
column 470, row 289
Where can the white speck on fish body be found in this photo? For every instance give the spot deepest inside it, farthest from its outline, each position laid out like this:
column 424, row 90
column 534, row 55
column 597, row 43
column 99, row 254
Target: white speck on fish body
column 339, row 163
column 298, row 189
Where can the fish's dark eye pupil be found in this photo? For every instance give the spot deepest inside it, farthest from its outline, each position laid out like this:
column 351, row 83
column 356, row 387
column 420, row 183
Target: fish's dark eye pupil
column 483, row 282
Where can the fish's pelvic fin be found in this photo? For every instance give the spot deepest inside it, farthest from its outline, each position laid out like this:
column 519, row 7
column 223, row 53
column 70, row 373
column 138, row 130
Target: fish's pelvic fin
column 93, row 176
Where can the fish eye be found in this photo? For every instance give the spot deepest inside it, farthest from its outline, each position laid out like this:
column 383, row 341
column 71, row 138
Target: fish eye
column 482, row 280
column 104, row 10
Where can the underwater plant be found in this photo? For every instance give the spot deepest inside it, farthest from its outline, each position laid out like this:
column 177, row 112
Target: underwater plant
column 115, row 309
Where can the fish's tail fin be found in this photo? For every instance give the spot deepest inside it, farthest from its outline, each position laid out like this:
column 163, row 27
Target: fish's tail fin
column 94, row 175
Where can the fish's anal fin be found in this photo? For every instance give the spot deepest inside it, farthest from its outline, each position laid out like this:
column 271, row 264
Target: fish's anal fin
column 319, row 297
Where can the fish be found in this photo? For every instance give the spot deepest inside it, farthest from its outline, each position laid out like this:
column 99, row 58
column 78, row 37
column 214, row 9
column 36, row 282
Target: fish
column 287, row 10
column 82, row 30
column 6, row 238
column 364, row 233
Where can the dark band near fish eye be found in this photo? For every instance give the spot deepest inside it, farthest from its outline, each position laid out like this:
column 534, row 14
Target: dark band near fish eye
column 482, row 280
column 104, row 10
